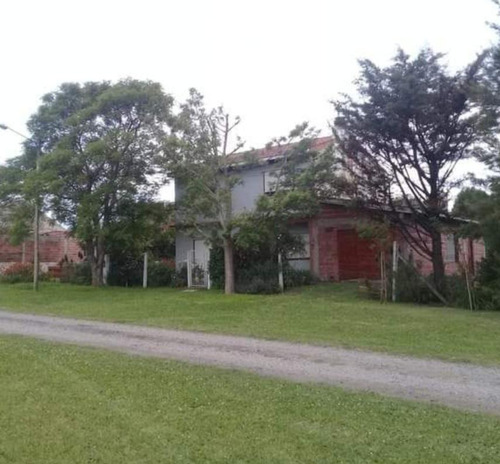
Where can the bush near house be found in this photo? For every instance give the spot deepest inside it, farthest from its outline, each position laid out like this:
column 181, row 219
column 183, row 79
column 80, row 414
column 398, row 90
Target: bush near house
column 256, row 273
column 129, row 273
column 76, row 273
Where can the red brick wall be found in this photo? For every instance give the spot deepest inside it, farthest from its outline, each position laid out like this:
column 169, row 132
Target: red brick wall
column 337, row 253
column 54, row 246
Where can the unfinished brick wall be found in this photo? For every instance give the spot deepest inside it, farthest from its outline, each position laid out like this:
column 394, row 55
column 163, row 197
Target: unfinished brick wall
column 338, row 253
column 54, row 246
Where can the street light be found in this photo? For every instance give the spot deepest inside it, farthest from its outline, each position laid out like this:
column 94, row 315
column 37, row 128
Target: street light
column 36, row 222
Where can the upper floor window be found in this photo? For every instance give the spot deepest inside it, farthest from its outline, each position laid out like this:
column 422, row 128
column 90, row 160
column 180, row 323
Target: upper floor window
column 450, row 255
column 271, row 179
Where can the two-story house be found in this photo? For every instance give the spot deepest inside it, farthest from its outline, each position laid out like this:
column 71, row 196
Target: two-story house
column 333, row 248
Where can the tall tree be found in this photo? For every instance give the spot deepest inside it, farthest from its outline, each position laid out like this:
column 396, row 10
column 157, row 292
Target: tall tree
column 101, row 141
column 200, row 156
column 402, row 137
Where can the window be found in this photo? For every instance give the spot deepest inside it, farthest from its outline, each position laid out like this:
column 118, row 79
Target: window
column 305, row 252
column 450, row 255
column 270, row 181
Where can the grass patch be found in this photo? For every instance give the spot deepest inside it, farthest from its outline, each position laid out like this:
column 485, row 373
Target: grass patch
column 330, row 314
column 61, row 404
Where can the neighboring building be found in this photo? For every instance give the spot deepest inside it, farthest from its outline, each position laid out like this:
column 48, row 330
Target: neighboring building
column 55, row 246
column 333, row 250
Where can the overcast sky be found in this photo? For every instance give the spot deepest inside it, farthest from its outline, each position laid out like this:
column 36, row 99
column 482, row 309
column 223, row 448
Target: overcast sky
column 274, row 63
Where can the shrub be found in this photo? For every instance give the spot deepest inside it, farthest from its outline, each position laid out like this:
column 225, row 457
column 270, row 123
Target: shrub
column 179, row 278
column 410, row 288
column 258, row 278
column 488, row 283
column 160, row 274
column 18, row 272
column 125, row 270
column 256, row 274
column 297, row 277
column 76, row 273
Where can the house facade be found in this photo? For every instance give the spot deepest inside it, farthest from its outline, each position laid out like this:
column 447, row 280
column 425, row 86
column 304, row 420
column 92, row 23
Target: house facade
column 333, row 249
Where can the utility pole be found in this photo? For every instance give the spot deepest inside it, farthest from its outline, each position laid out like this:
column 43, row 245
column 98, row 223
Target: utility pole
column 36, row 232
column 36, row 221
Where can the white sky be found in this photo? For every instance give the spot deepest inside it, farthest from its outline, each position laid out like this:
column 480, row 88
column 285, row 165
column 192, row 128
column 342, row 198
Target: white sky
column 274, row 63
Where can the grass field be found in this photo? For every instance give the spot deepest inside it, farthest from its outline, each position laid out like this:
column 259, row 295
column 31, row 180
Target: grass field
column 61, row 404
column 331, row 314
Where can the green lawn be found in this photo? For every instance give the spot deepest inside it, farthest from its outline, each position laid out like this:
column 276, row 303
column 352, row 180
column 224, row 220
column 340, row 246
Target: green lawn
column 61, row 404
column 330, row 314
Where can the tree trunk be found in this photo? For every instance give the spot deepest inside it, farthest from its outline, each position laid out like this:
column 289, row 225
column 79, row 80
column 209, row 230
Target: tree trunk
column 438, row 263
column 229, row 265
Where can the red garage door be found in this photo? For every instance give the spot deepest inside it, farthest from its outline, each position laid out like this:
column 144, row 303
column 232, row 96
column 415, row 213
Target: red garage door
column 357, row 256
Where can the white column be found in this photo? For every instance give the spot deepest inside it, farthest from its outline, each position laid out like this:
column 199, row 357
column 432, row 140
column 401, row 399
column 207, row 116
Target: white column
column 394, row 268
column 145, row 271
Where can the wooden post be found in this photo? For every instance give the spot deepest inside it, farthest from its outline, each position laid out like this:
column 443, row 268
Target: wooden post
column 36, row 237
column 395, row 258
column 280, row 273
column 145, row 271
column 207, row 265
column 189, row 265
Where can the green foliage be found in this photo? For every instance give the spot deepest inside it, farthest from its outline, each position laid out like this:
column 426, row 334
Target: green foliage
column 488, row 292
column 402, row 135
column 76, row 273
column 256, row 271
column 198, row 156
column 20, row 272
column 140, row 226
column 100, row 144
column 125, row 270
column 128, row 272
column 411, row 288
column 160, row 274
column 258, row 277
column 179, row 279
column 216, row 267
column 16, row 202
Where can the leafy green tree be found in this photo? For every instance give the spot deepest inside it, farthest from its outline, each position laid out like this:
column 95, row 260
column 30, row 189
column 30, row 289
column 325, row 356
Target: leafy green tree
column 140, row 227
column 101, row 142
column 200, row 156
column 402, row 136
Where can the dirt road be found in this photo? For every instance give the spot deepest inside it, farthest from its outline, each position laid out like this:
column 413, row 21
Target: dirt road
column 463, row 386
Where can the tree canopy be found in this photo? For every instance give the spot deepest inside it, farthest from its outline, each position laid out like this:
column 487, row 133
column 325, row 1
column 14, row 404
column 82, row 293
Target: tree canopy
column 402, row 137
column 100, row 143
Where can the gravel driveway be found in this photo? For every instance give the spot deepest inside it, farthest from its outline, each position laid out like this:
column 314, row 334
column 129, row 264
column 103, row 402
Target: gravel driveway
column 463, row 386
